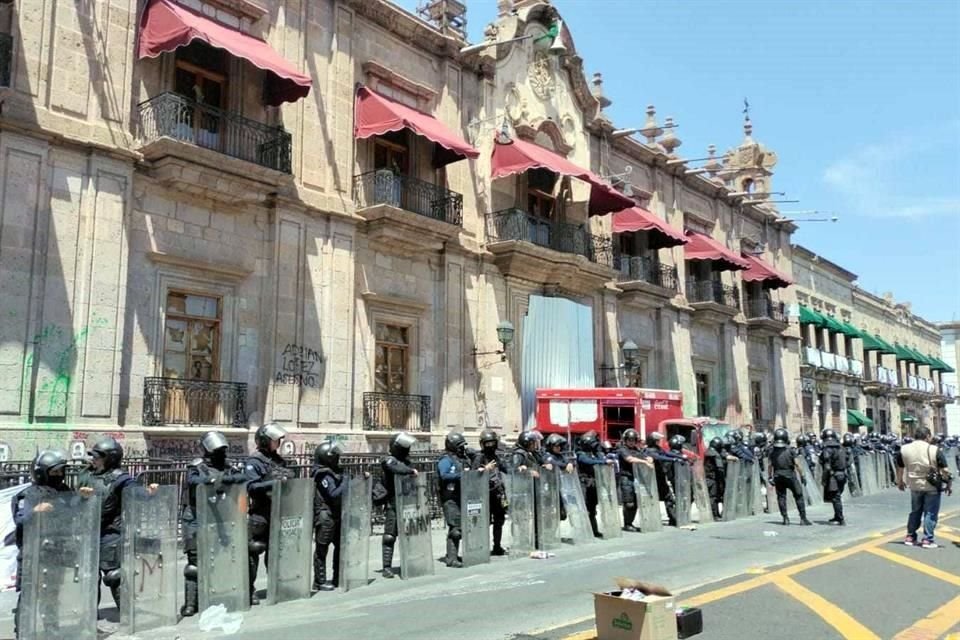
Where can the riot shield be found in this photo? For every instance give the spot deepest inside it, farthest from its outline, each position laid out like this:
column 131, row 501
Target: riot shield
column 291, row 536
column 356, row 511
column 608, row 508
column 148, row 590
column 222, row 553
column 892, row 467
column 731, row 491
column 883, row 470
column 648, row 497
column 809, row 482
column 701, row 494
column 475, row 517
column 853, row 481
column 868, row 474
column 747, row 481
column 548, row 510
column 683, row 492
column 951, row 456
column 573, row 502
column 59, row 573
column 413, row 520
column 522, row 498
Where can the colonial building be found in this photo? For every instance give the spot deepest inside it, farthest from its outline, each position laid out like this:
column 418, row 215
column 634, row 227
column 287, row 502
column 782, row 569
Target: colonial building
column 341, row 217
column 868, row 362
column 950, row 350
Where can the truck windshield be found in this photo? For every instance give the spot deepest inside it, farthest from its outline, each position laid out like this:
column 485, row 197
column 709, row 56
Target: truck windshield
column 714, row 430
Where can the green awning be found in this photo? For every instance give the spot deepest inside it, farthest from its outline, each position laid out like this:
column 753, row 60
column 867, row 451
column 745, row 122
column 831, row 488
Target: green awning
column 875, row 343
column 906, row 417
column 809, row 316
column 888, row 348
column 850, row 330
column 903, row 353
column 940, row 365
column 922, row 358
column 857, row 419
column 833, row 324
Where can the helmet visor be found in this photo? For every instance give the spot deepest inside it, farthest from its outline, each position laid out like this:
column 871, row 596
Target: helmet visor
column 274, row 431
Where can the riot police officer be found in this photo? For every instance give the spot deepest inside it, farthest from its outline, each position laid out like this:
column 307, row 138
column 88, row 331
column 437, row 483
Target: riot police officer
column 262, row 469
column 395, row 464
column 450, row 469
column 488, row 459
column 48, row 473
column 715, row 473
column 663, row 465
column 589, row 455
column 629, row 454
column 210, row 469
column 783, row 473
column 525, row 453
column 833, row 460
column 108, row 480
column 852, row 451
column 329, row 483
column 553, row 456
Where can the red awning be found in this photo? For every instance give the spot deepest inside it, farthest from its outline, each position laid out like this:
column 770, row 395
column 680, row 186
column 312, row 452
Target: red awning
column 702, row 247
column 518, row 156
column 661, row 235
column 760, row 271
column 376, row 115
column 166, row 26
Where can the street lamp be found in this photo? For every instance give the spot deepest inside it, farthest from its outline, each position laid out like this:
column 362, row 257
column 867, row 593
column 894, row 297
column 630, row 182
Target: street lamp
column 504, row 336
column 630, row 351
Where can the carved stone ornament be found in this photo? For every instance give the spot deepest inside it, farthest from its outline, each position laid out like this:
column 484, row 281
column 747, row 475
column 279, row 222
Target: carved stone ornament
column 540, row 76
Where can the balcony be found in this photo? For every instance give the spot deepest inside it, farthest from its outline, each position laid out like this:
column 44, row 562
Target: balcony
column 811, row 357
column 405, row 215
column 713, row 301
column 644, row 281
column 828, row 360
column 549, row 253
column 842, row 364
column 173, row 401
column 396, row 412
column 856, row 367
column 211, row 152
column 766, row 317
column 6, row 59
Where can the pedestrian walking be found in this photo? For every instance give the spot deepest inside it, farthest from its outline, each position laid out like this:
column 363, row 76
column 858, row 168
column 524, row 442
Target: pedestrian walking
column 922, row 468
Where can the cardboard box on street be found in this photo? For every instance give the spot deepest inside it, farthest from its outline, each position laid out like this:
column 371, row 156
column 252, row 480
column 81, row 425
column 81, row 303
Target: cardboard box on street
column 653, row 618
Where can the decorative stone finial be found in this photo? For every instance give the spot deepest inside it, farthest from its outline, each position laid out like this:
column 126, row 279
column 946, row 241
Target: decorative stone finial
column 669, row 141
column 504, row 7
column 651, row 130
column 597, row 91
column 747, row 130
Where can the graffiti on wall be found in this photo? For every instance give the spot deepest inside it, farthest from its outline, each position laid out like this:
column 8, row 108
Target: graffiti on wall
column 301, row 366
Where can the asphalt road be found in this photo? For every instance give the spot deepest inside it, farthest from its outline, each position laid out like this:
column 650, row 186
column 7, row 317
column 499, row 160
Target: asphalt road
column 525, row 599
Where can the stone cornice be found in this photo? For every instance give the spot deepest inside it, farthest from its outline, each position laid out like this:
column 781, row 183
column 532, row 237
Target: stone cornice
column 389, row 76
column 408, row 27
column 802, row 252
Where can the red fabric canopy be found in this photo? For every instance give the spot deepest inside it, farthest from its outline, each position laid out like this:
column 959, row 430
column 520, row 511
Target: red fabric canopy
column 166, row 26
column 519, row 156
column 633, row 219
column 376, row 115
column 760, row 271
column 702, row 247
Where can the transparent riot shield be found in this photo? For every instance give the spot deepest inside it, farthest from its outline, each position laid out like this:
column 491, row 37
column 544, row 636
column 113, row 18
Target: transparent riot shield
column 608, row 508
column 731, row 491
column 291, row 536
column 60, row 576
column 809, row 482
column 356, row 511
column 951, row 456
column 222, row 553
column 574, row 504
column 747, row 481
column 475, row 517
column 148, row 590
column 683, row 492
column 548, row 510
column 648, row 497
column 868, row 474
column 883, row 470
column 522, row 498
column 701, row 494
column 853, row 480
column 892, row 468
column 413, row 521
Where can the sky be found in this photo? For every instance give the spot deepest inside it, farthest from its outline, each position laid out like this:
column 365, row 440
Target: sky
column 859, row 99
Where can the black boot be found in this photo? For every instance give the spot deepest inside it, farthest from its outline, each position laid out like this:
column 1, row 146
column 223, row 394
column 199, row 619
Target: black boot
column 498, row 549
column 387, row 552
column 786, row 520
column 593, row 525
column 451, row 560
column 254, row 565
column 320, row 569
column 189, row 607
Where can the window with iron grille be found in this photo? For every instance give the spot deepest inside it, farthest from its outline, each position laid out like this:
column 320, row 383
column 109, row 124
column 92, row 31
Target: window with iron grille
column 390, row 369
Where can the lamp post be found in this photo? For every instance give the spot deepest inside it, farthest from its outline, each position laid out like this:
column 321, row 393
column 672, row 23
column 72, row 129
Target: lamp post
column 505, row 333
column 630, row 351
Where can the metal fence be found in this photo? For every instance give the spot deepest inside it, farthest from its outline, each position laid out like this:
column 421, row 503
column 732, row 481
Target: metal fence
column 384, row 186
column 515, row 224
column 712, row 291
column 644, row 269
column 765, row 308
column 396, row 412
column 194, row 402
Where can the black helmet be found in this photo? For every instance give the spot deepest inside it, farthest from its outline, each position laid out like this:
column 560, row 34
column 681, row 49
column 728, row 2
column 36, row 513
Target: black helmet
column 938, row 438
column 328, row 454
column 781, row 438
column 46, row 462
column 111, row 452
column 802, row 440
column 489, row 435
column 607, row 446
column 528, row 439
column 737, row 436
column 270, row 432
column 828, row 434
column 849, row 440
column 455, row 442
column 906, row 440
column 654, row 438
column 630, row 434
column 676, row 443
column 590, row 441
column 554, row 440
column 759, row 439
column 213, row 441
column 717, row 444
column 400, row 444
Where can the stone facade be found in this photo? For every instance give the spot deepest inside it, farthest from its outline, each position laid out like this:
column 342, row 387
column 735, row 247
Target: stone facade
column 950, row 354
column 134, row 242
column 856, row 379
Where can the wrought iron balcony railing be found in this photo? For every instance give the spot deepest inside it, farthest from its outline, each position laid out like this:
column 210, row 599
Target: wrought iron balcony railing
column 395, row 412
column 811, row 356
column 174, row 116
column 765, row 308
column 6, row 58
column 515, row 224
column 383, row 186
column 644, row 269
column 712, row 291
column 169, row 401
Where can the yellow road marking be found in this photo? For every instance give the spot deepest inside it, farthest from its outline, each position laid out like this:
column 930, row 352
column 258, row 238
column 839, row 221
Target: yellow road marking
column 949, row 536
column 876, row 535
column 844, row 623
column 756, row 571
column 827, row 550
column 590, row 634
column 937, row 622
column 910, row 563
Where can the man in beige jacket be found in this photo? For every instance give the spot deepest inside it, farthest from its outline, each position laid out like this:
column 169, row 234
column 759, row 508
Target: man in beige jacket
column 915, row 461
